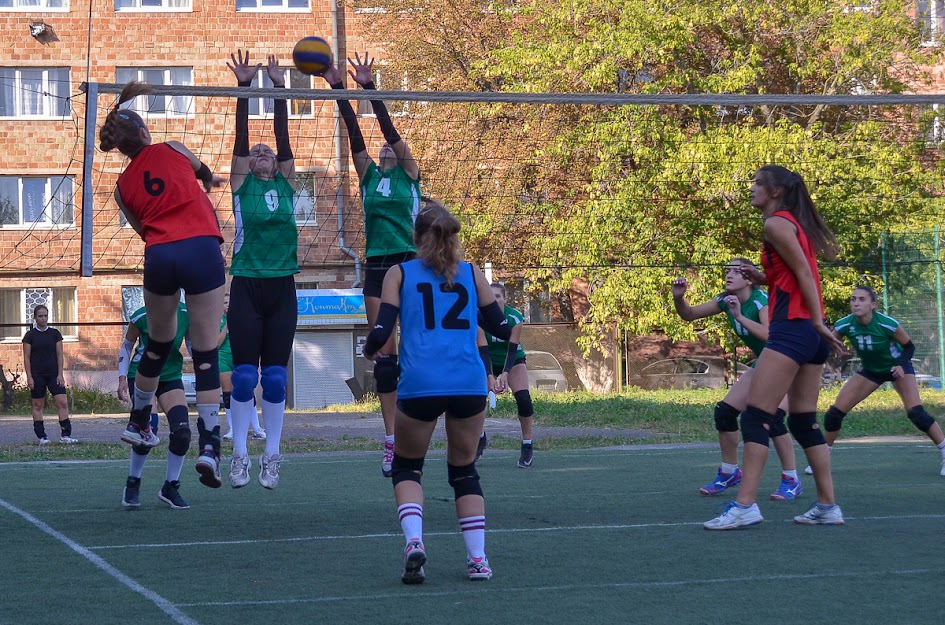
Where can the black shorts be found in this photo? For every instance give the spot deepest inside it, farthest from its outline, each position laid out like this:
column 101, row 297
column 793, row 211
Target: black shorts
column 194, row 265
column 798, row 340
column 163, row 387
column 42, row 382
column 375, row 268
column 885, row 376
column 429, row 408
column 261, row 320
column 497, row 370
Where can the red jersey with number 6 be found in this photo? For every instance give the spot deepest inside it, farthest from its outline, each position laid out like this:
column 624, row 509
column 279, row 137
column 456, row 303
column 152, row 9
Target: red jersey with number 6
column 160, row 189
column 785, row 300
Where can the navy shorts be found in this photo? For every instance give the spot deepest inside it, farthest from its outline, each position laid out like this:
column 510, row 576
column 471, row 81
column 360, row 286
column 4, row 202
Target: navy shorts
column 163, row 387
column 498, row 370
column 885, row 376
column 429, row 408
column 375, row 268
column 262, row 318
column 194, row 265
column 42, row 382
column 798, row 340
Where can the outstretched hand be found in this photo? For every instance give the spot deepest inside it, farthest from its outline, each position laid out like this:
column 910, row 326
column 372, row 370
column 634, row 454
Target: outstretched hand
column 242, row 69
column 680, row 286
column 276, row 73
column 332, row 75
column 363, row 69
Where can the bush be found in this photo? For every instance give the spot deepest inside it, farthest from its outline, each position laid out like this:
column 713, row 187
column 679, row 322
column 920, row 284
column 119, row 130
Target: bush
column 81, row 401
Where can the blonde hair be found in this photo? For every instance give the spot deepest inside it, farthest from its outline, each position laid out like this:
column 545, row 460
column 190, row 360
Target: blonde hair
column 122, row 127
column 436, row 235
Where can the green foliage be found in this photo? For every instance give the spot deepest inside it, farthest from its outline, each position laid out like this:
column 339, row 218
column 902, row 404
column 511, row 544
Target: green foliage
column 81, row 401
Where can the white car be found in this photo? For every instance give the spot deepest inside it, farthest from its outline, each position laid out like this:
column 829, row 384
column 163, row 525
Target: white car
column 544, row 372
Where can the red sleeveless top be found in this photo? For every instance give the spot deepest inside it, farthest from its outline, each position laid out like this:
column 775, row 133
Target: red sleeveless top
column 785, row 300
column 160, row 189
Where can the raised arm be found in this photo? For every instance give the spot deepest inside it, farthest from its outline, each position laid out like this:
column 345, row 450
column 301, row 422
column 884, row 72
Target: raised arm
column 245, row 73
column 285, row 160
column 359, row 154
column 687, row 312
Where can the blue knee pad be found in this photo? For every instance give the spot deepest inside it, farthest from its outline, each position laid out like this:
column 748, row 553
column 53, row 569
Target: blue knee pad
column 833, row 420
column 777, row 426
column 804, row 429
column 464, row 480
column 726, row 417
column 406, row 469
column 386, row 373
column 245, row 378
column 179, row 440
column 920, row 418
column 754, row 421
column 274, row 380
column 151, row 367
column 523, row 400
column 206, row 369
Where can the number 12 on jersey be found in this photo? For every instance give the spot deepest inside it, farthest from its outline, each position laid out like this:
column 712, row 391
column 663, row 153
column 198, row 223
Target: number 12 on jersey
column 451, row 320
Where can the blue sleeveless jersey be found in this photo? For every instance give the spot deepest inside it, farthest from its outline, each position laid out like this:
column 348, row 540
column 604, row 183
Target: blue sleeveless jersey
column 438, row 325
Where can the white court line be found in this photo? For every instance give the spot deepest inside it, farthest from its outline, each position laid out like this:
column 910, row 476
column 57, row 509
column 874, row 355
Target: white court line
column 163, row 604
column 492, row 588
column 510, row 530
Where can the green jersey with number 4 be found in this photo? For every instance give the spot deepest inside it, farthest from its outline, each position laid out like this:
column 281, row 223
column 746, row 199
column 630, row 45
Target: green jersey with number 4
column 267, row 239
column 751, row 309
column 391, row 202
column 873, row 342
column 499, row 349
column 174, row 367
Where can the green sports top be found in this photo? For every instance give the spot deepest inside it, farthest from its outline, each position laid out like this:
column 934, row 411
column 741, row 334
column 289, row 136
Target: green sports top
column 267, row 239
column 751, row 309
column 499, row 349
column 873, row 342
column 224, row 349
column 391, row 202
column 174, row 367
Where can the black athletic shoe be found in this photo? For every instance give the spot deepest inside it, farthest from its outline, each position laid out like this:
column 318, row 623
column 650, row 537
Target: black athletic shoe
column 481, row 447
column 525, row 459
column 129, row 497
column 169, row 494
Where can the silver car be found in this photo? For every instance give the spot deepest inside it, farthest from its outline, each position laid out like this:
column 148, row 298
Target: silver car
column 544, row 372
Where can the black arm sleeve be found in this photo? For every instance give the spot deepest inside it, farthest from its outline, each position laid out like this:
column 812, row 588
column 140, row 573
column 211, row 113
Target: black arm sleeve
column 383, row 328
column 486, row 361
column 510, row 359
column 383, row 119
column 494, row 322
column 241, row 142
column 280, row 116
column 908, row 350
column 355, row 138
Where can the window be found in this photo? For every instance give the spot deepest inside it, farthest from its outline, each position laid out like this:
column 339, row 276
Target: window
column 272, row 5
column 172, row 106
column 152, row 5
column 931, row 121
column 384, row 81
column 16, row 306
column 34, row 5
column 316, row 190
column 34, row 92
column 36, row 201
column 930, row 14
column 294, row 79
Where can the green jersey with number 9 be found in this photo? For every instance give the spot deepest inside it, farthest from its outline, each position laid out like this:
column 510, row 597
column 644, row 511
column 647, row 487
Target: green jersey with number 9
column 267, row 239
column 391, row 202
column 872, row 342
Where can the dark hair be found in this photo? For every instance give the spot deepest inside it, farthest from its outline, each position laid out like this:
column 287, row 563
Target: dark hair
column 868, row 289
column 796, row 199
column 500, row 286
column 37, row 307
column 436, row 234
column 121, row 128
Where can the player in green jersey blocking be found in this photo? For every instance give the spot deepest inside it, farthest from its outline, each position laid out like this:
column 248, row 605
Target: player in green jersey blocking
column 390, row 193
column 226, row 376
column 886, row 353
column 170, row 396
column 746, row 307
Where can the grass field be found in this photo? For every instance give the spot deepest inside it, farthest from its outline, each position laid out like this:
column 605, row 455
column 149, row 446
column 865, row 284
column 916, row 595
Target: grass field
column 585, row 536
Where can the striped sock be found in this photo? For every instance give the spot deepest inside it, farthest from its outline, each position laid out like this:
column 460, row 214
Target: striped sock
column 474, row 535
column 411, row 521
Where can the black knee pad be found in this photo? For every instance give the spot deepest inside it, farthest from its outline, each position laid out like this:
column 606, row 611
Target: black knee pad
column 150, row 366
column 386, row 373
column 833, row 420
column 804, row 428
column 206, row 378
column 523, row 399
column 778, row 428
column 464, row 480
column 226, row 399
column 920, row 418
column 726, row 417
column 406, row 469
column 179, row 441
column 754, row 421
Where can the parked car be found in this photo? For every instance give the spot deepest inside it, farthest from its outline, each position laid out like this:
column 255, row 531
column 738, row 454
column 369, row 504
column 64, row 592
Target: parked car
column 190, row 387
column 685, row 372
column 544, row 372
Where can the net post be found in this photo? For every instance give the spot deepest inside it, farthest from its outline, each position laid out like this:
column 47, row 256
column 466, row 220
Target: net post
column 938, row 301
column 88, row 153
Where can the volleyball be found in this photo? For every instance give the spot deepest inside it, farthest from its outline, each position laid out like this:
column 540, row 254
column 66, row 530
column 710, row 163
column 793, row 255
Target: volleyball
column 312, row 55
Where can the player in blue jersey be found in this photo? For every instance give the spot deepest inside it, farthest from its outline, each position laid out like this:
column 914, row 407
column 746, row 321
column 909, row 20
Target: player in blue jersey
column 437, row 297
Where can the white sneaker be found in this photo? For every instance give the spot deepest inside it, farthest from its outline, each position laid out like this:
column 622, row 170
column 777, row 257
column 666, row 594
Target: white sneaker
column 68, row 440
column 43, row 441
column 942, row 473
column 809, row 470
column 269, row 470
column 239, row 471
column 478, row 568
column 260, row 435
column 388, row 459
column 817, row 516
column 228, row 436
column 734, row 517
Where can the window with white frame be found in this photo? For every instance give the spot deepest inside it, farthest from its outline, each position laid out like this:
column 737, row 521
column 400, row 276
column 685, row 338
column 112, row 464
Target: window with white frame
column 934, row 128
column 171, row 106
column 16, row 306
column 930, row 14
column 36, row 201
column 34, row 92
column 294, row 79
column 152, row 5
column 272, row 5
column 385, row 81
column 33, row 5
column 312, row 187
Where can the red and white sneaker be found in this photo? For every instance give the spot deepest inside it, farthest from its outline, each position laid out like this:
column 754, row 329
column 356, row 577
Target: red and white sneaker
column 478, row 568
column 415, row 556
column 388, row 459
column 135, row 435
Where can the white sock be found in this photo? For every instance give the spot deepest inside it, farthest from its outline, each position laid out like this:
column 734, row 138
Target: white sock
column 210, row 413
column 389, row 439
column 137, row 464
column 728, row 469
column 274, row 416
column 474, row 535
column 140, row 399
column 941, row 448
column 240, row 412
column 411, row 521
column 254, row 415
column 790, row 474
column 226, row 412
column 526, row 442
column 174, row 465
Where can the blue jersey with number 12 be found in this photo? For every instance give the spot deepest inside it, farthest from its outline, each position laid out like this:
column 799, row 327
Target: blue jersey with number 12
column 438, row 326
